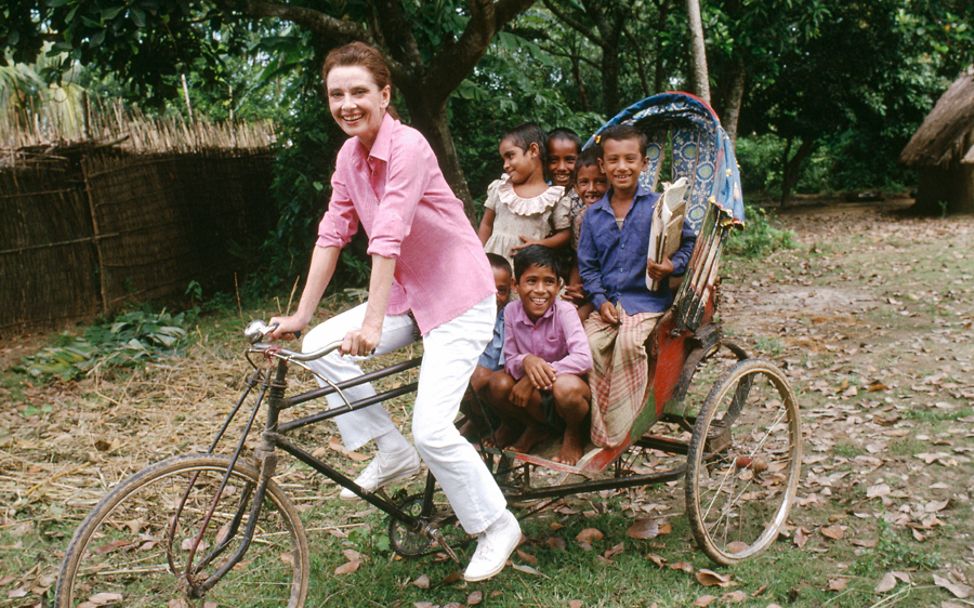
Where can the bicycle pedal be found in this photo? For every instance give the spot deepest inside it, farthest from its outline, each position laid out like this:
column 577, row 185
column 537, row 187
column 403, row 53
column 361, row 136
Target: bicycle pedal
column 439, row 539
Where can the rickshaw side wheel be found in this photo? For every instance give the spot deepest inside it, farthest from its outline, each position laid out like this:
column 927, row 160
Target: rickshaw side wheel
column 744, row 462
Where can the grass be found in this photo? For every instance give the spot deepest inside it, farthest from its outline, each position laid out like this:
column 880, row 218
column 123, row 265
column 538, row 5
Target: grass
column 907, row 446
column 629, row 579
column 934, row 415
column 847, row 449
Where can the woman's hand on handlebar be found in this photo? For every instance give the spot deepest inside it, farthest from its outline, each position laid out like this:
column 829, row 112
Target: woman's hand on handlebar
column 361, row 342
column 287, row 327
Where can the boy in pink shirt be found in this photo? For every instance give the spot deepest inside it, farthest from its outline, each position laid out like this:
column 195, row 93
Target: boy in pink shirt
column 542, row 388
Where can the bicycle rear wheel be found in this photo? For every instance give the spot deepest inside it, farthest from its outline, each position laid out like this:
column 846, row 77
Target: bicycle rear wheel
column 121, row 554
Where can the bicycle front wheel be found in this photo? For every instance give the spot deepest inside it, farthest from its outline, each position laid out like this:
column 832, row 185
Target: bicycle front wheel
column 125, row 554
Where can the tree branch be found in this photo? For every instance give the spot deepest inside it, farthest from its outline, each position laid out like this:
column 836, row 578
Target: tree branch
column 456, row 60
column 568, row 55
column 573, row 22
column 395, row 30
column 315, row 20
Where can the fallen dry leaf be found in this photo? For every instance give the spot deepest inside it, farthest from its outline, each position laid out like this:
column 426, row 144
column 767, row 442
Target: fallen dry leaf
column 644, row 528
column 733, row 597
column 801, row 537
column 422, row 581
column 709, row 578
column 903, row 576
column 556, row 542
column 454, row 577
column 347, row 568
column 684, row 566
column 833, row 532
column 886, row 583
column 475, row 598
column 737, row 546
column 335, row 443
column 704, row 600
column 103, row 599
column 575, row 604
column 526, row 569
column 959, row 590
column 614, row 550
column 656, row 559
column 838, row 584
column 524, row 555
column 589, row 535
column 877, row 491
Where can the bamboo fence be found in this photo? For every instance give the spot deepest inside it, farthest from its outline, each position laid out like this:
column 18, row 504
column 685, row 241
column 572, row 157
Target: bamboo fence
column 132, row 215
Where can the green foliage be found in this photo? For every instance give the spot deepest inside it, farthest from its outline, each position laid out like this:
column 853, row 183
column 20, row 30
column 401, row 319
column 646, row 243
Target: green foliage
column 759, row 237
column 129, row 340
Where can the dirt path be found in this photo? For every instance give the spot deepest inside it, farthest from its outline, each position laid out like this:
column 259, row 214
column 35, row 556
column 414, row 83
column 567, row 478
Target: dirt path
column 871, row 315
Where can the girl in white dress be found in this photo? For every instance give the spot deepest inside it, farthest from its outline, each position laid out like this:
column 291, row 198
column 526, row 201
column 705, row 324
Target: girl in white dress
column 521, row 208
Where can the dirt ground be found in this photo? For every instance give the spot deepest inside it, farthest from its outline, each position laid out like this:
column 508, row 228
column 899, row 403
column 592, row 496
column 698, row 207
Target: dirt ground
column 870, row 315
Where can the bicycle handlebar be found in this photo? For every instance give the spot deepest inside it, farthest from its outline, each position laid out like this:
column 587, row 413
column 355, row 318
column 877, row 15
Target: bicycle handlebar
column 257, row 330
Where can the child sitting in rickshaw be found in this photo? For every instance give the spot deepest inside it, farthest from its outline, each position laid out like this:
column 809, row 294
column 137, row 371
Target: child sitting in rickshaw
column 612, row 261
column 542, row 389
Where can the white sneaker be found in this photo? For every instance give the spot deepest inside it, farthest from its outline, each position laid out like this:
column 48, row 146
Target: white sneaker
column 494, row 546
column 385, row 469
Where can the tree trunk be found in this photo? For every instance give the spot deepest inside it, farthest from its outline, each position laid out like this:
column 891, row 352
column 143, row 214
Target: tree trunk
column 610, row 75
column 432, row 122
column 664, row 8
column 792, row 169
column 735, row 98
column 577, row 76
column 700, row 79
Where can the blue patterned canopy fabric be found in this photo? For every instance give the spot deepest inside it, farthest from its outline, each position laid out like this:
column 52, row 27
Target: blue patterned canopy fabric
column 702, row 151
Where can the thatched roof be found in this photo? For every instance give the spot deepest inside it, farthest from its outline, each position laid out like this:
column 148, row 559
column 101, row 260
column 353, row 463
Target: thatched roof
column 945, row 135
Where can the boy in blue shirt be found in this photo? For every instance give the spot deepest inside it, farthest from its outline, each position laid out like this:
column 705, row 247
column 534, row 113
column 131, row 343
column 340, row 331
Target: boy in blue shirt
column 613, row 265
column 492, row 359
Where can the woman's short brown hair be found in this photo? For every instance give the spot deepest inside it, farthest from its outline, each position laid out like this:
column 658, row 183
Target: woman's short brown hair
column 361, row 54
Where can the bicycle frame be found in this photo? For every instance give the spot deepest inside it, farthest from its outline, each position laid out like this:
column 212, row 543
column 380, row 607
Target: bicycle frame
column 272, row 384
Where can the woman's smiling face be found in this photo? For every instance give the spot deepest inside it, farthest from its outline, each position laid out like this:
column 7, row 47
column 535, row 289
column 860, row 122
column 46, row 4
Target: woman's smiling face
column 357, row 104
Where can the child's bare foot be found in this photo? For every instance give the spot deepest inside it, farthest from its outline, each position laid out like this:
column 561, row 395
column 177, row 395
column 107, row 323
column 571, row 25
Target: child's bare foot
column 502, row 437
column 532, row 435
column 571, row 449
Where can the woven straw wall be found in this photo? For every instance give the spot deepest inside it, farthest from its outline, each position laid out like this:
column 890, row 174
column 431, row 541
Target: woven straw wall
column 90, row 233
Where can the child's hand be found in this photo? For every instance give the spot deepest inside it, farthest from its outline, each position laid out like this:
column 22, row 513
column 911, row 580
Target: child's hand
column 539, row 371
column 574, row 293
column 525, row 241
column 608, row 313
column 522, row 391
column 660, row 271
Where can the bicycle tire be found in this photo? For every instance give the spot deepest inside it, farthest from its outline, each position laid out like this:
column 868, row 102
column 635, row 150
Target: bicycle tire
column 119, row 554
column 745, row 460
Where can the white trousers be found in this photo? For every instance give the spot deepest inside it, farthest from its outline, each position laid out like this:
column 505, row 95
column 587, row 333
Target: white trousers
column 450, row 353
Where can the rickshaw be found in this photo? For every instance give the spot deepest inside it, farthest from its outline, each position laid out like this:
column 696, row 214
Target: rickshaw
column 218, row 530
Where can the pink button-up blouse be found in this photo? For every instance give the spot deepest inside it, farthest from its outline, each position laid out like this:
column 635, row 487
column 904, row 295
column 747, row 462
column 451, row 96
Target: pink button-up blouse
column 399, row 195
